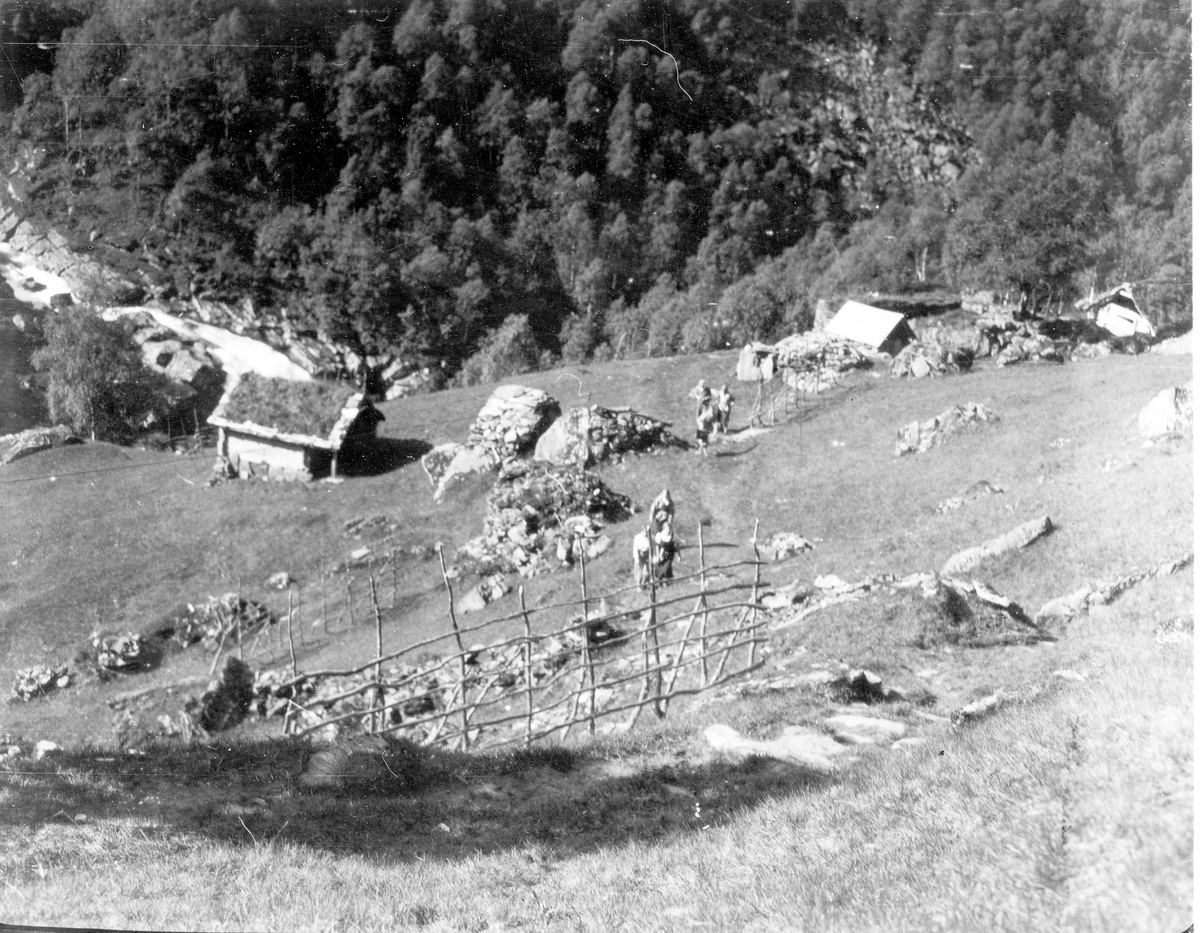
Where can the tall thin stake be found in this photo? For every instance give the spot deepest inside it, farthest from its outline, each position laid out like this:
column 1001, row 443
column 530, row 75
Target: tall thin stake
column 528, row 655
column 324, row 606
column 703, row 608
column 754, row 595
column 350, row 598
column 659, row 709
column 394, row 575
column 587, row 651
column 291, row 644
column 376, row 719
column 462, row 653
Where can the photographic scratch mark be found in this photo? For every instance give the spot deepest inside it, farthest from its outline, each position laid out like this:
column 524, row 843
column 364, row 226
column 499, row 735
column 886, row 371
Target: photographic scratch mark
column 669, row 55
column 578, row 391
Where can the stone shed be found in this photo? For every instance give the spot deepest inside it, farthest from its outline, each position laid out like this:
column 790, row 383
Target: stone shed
column 283, row 430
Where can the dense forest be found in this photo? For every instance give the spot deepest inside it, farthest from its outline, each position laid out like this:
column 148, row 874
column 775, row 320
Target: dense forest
column 494, row 183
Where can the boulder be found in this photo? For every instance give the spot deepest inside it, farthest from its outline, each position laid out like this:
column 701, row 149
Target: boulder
column 1169, row 412
column 796, row 745
column 23, row 443
column 369, row 763
column 467, row 460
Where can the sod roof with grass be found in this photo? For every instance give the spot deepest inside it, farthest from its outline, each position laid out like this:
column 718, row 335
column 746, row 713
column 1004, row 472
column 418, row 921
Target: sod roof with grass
column 315, row 413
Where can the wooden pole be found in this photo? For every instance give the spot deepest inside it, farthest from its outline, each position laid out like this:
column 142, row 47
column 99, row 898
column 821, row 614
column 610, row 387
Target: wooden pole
column 378, row 700
column 659, row 710
column 350, row 599
column 324, row 606
column 754, row 592
column 587, row 651
column 462, row 654
column 703, row 608
column 528, row 654
column 394, row 575
column 291, row 644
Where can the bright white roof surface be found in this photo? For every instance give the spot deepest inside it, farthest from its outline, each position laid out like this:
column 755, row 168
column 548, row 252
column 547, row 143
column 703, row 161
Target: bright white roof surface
column 864, row 323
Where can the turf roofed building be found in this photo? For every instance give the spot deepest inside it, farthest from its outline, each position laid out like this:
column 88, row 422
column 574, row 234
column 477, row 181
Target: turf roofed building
column 283, row 430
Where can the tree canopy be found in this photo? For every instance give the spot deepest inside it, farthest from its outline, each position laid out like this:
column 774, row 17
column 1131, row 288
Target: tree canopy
column 625, row 176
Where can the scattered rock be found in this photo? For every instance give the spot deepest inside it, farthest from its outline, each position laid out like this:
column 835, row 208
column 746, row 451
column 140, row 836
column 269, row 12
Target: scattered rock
column 1019, row 537
column 1063, row 609
column 1174, row 631
column 922, row 358
column 864, row 730
column 46, row 749
column 977, row 710
column 126, row 652
column 917, row 437
column 281, row 580
column 365, row 763
column 784, row 544
column 796, row 745
column 975, row 491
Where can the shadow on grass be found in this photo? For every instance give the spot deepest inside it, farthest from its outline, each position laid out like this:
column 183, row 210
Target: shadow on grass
column 380, row 455
column 427, row 805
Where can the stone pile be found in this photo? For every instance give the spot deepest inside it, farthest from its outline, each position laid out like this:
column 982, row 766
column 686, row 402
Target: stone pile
column 813, row 361
column 531, row 506
column 585, row 436
column 24, row 443
column 921, row 359
column 917, row 437
column 208, row 621
column 1011, row 341
column 785, row 544
column 33, row 682
column 511, row 421
column 125, row 653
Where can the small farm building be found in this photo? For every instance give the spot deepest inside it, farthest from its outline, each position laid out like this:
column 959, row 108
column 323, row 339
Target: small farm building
column 885, row 331
column 284, row 430
column 756, row 363
column 1117, row 312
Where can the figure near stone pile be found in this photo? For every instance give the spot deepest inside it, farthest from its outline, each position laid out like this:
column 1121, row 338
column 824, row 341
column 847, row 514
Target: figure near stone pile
column 655, row 547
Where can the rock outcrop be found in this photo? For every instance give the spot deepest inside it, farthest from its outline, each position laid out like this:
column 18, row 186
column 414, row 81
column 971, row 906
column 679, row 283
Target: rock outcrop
column 24, row 443
column 1169, row 412
column 585, row 436
column 917, row 437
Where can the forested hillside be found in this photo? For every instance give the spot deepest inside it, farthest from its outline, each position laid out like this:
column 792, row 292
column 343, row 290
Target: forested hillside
column 576, row 178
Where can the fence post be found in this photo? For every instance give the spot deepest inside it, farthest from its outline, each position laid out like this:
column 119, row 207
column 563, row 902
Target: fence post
column 324, row 606
column 754, row 595
column 587, row 651
column 291, row 644
column 350, row 598
column 703, row 608
column 659, row 710
column 394, row 573
column 462, row 654
column 528, row 653
column 378, row 701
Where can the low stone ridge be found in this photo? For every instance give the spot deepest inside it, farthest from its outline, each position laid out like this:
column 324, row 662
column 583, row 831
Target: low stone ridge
column 1169, row 412
column 587, row 435
column 1100, row 593
column 1019, row 537
column 531, row 506
column 917, row 437
column 24, row 443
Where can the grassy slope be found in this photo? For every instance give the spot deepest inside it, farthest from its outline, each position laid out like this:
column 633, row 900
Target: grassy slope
column 1081, row 797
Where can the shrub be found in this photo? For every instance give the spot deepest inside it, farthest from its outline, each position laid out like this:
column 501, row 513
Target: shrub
column 509, row 350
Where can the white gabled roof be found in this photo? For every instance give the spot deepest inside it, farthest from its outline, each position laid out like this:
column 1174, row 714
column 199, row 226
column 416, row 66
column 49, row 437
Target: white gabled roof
column 864, row 323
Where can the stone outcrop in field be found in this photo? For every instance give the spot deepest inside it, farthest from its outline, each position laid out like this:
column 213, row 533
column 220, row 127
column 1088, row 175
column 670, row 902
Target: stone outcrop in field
column 917, row 437
column 1019, row 537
